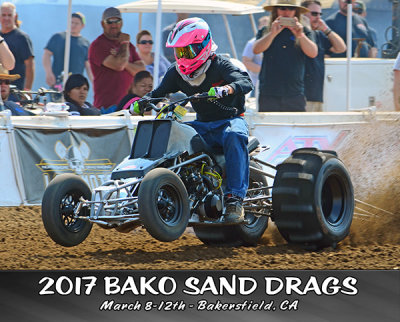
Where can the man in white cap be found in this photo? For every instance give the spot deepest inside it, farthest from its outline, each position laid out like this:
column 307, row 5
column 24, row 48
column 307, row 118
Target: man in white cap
column 114, row 62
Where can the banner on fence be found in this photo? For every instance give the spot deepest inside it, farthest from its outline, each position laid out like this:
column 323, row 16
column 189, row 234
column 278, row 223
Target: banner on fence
column 90, row 153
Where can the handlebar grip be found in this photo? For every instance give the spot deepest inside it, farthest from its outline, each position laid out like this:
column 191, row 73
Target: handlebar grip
column 151, row 106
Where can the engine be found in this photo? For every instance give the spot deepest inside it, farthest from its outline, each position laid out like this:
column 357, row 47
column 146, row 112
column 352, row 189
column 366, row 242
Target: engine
column 202, row 184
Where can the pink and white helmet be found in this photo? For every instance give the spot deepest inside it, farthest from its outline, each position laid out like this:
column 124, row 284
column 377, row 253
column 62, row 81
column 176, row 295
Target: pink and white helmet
column 192, row 41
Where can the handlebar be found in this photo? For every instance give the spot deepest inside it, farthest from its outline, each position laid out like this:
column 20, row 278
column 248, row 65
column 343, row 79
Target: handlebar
column 148, row 103
column 183, row 101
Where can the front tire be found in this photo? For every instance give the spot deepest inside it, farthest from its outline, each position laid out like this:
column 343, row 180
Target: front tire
column 60, row 200
column 313, row 199
column 237, row 235
column 163, row 204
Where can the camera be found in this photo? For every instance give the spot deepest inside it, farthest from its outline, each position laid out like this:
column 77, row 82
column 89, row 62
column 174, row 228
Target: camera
column 284, row 21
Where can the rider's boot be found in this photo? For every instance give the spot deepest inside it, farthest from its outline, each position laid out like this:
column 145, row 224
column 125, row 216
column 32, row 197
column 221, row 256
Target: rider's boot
column 234, row 211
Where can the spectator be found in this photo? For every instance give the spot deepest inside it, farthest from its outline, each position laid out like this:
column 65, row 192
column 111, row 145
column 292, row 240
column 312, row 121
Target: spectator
column 5, row 103
column 285, row 49
column 141, row 85
column 55, row 48
column 144, row 43
column 338, row 23
column 75, row 95
column 168, row 52
column 396, row 83
column 20, row 45
column 251, row 60
column 113, row 61
column 360, row 8
column 326, row 40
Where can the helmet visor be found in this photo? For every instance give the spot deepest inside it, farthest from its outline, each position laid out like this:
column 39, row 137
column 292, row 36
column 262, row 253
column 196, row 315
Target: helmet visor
column 192, row 50
column 185, row 52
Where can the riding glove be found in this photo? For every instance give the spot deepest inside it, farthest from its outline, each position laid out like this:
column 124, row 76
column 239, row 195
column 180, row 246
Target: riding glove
column 139, row 106
column 218, row 92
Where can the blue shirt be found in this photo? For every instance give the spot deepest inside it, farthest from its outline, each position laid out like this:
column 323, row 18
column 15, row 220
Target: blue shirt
column 21, row 46
column 338, row 23
column 315, row 69
column 78, row 53
column 162, row 67
column 16, row 110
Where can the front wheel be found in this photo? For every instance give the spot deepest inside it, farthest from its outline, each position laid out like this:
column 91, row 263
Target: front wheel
column 60, row 200
column 313, row 199
column 163, row 204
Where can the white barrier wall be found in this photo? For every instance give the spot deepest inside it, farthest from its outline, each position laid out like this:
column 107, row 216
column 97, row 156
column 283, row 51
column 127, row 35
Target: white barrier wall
column 9, row 193
column 371, row 84
column 283, row 132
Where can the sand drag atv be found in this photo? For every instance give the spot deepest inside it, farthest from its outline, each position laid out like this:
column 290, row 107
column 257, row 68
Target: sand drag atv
column 172, row 180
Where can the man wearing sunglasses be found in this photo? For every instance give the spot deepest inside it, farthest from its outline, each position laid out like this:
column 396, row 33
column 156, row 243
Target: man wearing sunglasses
column 114, row 62
column 5, row 103
column 360, row 31
column 326, row 40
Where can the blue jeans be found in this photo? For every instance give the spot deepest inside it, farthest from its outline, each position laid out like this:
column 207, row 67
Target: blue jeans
column 232, row 135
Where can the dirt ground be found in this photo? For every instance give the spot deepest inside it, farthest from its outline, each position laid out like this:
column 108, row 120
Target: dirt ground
column 373, row 243
column 25, row 245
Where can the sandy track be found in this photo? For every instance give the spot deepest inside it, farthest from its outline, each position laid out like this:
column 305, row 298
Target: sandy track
column 24, row 244
column 374, row 241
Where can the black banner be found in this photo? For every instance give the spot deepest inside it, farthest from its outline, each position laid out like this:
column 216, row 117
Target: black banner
column 196, row 295
column 89, row 153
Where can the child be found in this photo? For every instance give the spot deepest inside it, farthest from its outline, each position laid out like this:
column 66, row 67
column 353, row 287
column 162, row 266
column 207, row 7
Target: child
column 141, row 85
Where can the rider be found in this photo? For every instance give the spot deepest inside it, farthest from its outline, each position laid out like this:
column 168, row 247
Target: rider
column 198, row 69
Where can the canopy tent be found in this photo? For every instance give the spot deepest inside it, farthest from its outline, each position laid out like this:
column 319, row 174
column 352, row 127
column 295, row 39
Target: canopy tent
column 324, row 3
column 193, row 7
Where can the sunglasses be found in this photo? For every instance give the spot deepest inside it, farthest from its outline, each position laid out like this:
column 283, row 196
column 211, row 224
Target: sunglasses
column 144, row 42
column 111, row 21
column 287, row 8
column 5, row 82
column 315, row 13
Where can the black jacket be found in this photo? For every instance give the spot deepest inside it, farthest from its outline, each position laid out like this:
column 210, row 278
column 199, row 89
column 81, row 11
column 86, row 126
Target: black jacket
column 221, row 72
column 88, row 109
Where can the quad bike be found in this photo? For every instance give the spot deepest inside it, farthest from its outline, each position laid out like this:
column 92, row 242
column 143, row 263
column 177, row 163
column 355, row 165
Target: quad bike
column 172, row 180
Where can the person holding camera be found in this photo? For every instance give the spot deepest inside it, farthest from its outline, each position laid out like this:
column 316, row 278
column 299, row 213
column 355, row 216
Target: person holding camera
column 285, row 46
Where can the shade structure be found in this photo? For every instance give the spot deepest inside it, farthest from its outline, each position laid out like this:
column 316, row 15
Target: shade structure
column 191, row 6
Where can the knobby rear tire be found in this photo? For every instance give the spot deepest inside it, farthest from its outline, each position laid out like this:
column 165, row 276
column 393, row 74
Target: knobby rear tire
column 313, row 199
